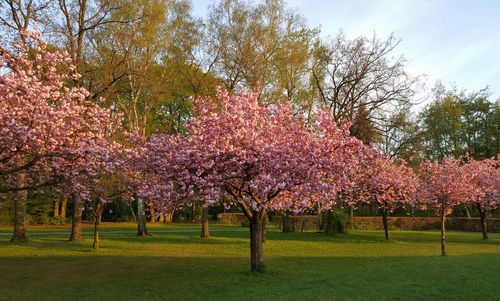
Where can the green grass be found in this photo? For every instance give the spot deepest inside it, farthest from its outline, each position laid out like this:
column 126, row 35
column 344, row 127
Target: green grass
column 175, row 264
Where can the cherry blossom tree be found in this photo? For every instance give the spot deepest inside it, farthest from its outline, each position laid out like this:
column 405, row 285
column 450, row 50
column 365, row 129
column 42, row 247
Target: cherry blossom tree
column 486, row 179
column 387, row 185
column 444, row 185
column 260, row 158
column 44, row 121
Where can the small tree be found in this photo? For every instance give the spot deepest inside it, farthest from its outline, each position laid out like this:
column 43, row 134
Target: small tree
column 444, row 185
column 486, row 178
column 387, row 185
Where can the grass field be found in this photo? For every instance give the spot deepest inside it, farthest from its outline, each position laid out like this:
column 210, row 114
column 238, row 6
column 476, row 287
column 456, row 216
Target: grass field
column 175, row 264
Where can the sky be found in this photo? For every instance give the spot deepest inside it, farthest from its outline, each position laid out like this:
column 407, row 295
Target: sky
column 454, row 41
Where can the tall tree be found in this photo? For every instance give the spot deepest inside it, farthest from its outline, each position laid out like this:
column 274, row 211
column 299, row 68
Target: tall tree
column 361, row 76
column 262, row 47
column 459, row 123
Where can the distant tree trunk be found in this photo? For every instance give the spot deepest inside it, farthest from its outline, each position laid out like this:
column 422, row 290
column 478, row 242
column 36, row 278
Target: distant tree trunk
column 256, row 250
column 330, row 223
column 97, row 221
column 482, row 215
column 321, row 225
column 56, row 206
column 351, row 217
column 76, row 221
column 193, row 213
column 153, row 214
column 287, row 223
column 385, row 221
column 161, row 218
column 443, row 231
column 19, row 234
column 64, row 206
column 205, row 233
column 141, row 218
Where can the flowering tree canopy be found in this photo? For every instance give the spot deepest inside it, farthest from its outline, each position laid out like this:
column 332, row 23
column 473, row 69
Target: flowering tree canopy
column 44, row 120
column 387, row 185
column 444, row 185
column 258, row 157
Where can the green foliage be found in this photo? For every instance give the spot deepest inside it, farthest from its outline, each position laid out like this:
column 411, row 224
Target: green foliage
column 457, row 123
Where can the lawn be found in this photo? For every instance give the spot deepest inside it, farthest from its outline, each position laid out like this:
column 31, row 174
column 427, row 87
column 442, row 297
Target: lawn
column 175, row 264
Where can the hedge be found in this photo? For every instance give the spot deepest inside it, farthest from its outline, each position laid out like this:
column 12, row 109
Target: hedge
column 301, row 223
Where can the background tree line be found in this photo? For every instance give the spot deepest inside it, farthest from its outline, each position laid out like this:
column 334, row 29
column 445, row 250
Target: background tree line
column 147, row 58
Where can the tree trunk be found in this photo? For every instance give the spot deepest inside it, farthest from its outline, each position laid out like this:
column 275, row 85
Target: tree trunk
column 321, row 226
column 385, row 221
column 287, row 223
column 256, row 252
column 56, row 206
column 97, row 221
column 351, row 217
column 264, row 230
column 153, row 214
column 168, row 217
column 64, row 206
column 19, row 234
column 205, row 233
column 76, row 221
column 443, row 232
column 141, row 218
column 482, row 215
column 330, row 227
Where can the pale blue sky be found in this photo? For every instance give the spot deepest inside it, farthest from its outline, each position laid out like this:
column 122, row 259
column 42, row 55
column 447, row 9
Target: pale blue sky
column 455, row 41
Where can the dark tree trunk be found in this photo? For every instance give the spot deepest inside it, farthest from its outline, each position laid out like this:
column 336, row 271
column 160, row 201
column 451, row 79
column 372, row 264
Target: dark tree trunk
column 153, row 214
column 321, row 225
column 264, row 230
column 351, row 217
column 97, row 221
column 56, row 206
column 76, row 221
column 64, row 206
column 330, row 223
column 482, row 215
column 443, row 231
column 385, row 221
column 142, row 230
column 256, row 252
column 205, row 233
column 287, row 223
column 193, row 213
column 19, row 234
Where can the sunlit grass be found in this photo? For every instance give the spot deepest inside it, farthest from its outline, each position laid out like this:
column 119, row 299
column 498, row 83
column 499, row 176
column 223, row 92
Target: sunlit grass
column 175, row 264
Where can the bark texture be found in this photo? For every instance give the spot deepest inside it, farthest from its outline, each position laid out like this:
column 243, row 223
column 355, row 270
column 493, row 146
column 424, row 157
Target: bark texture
column 205, row 232
column 19, row 234
column 443, row 232
column 330, row 222
column 142, row 230
column 484, row 229
column 385, row 221
column 287, row 223
column 97, row 221
column 256, row 251
column 76, row 220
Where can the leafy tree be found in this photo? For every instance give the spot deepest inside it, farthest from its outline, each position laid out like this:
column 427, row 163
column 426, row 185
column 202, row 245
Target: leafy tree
column 460, row 123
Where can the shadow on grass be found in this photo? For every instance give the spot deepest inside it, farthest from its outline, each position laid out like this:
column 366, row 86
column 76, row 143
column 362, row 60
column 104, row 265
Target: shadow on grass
column 227, row 278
